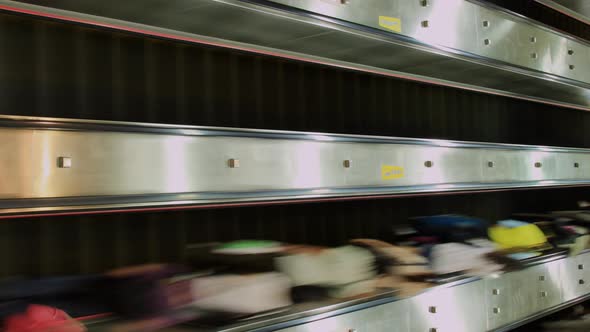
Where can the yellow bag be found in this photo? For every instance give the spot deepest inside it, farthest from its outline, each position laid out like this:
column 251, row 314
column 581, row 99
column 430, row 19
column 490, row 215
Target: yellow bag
column 526, row 236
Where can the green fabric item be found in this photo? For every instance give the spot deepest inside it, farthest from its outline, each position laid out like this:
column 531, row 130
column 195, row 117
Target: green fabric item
column 242, row 244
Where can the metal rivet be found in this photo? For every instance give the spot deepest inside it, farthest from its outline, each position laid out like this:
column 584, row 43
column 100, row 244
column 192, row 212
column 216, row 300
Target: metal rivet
column 572, row 67
column 428, row 163
column 425, row 24
column 577, row 165
column 581, row 281
column 580, row 266
column 486, row 24
column 432, row 310
column 424, row 3
column 433, row 329
column 543, row 294
column 533, row 39
column 487, row 41
column 570, row 52
column 496, row 310
column 490, row 164
column 538, row 165
column 64, row 162
column 233, row 163
column 534, row 55
column 347, row 163
column 495, row 291
column 541, row 278
column 351, row 330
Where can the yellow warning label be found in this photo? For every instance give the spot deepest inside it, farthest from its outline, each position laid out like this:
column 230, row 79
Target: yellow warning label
column 390, row 23
column 391, row 172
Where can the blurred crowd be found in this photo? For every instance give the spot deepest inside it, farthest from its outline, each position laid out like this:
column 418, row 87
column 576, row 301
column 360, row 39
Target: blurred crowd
column 221, row 283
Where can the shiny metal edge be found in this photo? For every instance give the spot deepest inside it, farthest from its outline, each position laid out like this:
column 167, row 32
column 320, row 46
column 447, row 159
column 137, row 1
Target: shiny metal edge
column 546, row 258
column 102, row 22
column 113, row 204
column 49, row 123
column 565, row 10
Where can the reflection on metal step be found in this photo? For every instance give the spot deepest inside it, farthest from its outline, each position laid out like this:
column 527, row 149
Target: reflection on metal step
column 448, row 42
column 61, row 164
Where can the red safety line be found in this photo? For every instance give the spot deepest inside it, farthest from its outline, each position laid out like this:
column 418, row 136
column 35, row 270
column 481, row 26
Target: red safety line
column 265, row 52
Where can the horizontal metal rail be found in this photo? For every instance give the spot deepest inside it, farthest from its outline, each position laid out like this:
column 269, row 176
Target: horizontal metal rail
column 63, row 165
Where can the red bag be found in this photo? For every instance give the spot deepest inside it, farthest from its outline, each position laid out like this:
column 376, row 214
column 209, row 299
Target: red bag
column 40, row 318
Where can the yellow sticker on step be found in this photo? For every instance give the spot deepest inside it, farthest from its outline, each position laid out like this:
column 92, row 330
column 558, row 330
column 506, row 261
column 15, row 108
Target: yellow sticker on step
column 390, row 23
column 389, row 172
